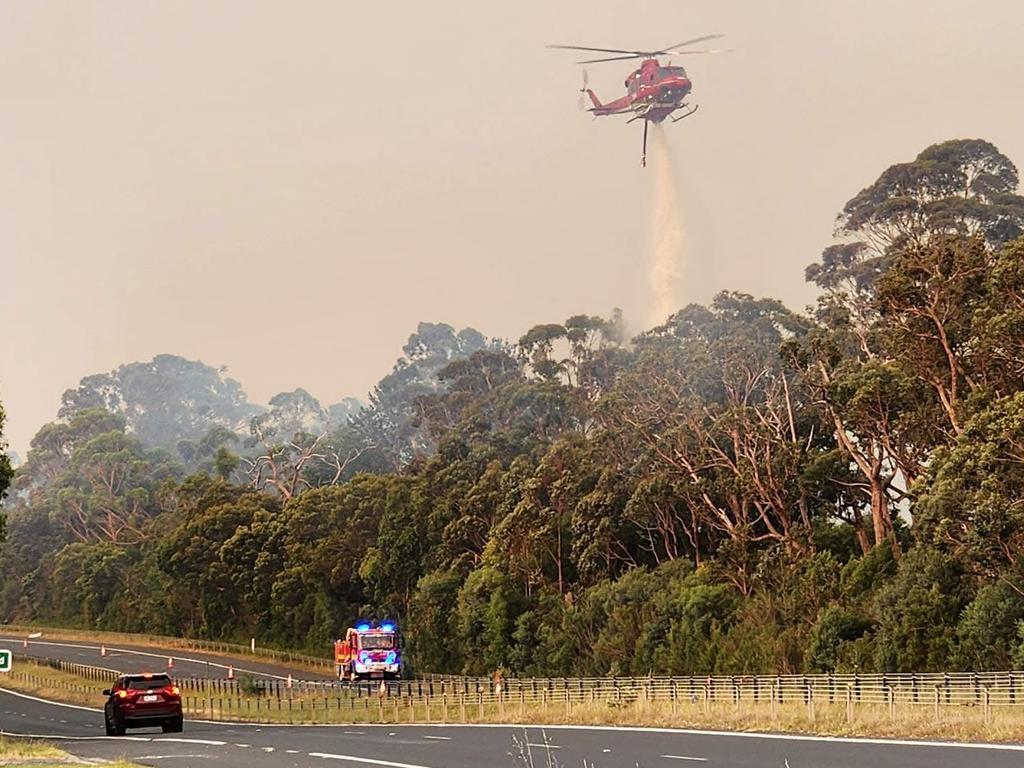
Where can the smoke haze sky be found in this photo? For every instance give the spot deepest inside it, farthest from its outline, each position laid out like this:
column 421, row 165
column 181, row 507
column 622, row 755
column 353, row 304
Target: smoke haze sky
column 286, row 188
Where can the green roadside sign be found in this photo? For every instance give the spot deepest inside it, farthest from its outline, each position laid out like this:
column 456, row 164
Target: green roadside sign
column 6, row 660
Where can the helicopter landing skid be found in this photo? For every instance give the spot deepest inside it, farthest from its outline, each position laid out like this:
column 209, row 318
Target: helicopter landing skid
column 686, row 114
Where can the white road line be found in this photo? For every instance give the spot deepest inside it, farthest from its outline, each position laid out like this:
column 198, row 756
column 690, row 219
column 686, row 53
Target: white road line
column 724, row 734
column 292, row 751
column 47, row 701
column 243, row 746
column 59, row 737
column 367, row 760
column 207, row 742
column 439, row 738
column 684, row 757
column 354, row 733
column 543, row 746
column 164, row 757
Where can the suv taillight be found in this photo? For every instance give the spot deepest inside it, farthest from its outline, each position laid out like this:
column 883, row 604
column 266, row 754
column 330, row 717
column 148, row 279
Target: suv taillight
column 173, row 690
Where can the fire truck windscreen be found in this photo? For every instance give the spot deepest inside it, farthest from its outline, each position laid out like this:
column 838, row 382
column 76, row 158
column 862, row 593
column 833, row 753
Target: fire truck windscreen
column 376, row 642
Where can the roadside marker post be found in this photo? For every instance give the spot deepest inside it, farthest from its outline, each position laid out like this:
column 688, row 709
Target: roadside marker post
column 6, row 659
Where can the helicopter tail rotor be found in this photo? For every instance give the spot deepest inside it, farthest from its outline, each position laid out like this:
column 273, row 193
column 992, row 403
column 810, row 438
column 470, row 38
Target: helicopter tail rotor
column 580, row 103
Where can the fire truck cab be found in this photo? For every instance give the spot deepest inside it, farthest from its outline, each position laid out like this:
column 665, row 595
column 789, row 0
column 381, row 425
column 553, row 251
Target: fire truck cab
column 369, row 652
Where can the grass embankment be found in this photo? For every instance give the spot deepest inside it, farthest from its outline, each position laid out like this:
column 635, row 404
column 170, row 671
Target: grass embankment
column 953, row 723
column 23, row 753
column 227, row 651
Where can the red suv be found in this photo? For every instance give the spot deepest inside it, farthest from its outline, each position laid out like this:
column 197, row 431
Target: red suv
column 141, row 701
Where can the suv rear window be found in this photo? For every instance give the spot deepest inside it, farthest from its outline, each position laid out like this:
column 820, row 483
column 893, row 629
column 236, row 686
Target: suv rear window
column 147, row 683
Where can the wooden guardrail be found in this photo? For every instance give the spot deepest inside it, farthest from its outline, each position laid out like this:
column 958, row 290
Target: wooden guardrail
column 980, row 694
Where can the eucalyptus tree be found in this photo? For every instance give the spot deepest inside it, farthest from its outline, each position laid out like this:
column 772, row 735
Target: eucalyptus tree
column 6, row 472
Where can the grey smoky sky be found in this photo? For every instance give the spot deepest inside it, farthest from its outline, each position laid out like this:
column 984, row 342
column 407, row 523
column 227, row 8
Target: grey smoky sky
column 286, row 188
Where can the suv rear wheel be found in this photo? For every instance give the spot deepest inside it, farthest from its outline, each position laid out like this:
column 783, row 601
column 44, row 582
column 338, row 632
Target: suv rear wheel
column 174, row 725
column 113, row 726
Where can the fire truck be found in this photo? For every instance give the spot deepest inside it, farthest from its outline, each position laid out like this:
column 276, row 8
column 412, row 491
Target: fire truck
column 369, row 651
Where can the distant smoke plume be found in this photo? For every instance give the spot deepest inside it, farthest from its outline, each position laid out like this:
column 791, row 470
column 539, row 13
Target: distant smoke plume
column 666, row 272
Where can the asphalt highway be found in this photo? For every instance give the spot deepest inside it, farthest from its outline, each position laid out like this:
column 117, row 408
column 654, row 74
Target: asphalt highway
column 79, row 730
column 129, row 658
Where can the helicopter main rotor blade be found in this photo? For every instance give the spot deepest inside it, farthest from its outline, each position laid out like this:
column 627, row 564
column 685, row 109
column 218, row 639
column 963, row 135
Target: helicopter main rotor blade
column 626, row 55
column 687, row 53
column 599, row 50
column 614, row 58
column 672, row 48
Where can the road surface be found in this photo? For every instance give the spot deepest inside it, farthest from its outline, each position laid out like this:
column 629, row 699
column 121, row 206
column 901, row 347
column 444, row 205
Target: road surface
column 130, row 658
column 80, row 731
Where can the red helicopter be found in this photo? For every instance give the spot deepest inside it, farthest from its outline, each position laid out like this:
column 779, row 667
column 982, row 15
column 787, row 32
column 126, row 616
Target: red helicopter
column 653, row 92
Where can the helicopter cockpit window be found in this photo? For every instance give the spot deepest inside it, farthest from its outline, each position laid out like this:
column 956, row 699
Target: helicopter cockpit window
column 671, row 72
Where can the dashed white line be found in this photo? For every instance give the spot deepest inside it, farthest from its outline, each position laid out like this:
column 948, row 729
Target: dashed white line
column 208, row 742
column 684, row 757
column 243, row 746
column 367, row 760
column 439, row 738
column 543, row 746
column 165, row 757
column 995, row 747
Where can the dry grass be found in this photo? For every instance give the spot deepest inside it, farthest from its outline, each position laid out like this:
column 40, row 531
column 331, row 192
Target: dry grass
column 920, row 722
column 955, row 723
column 68, row 761
column 20, row 749
column 25, row 753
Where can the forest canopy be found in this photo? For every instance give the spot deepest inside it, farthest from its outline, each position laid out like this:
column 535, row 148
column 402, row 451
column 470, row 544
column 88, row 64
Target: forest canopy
column 743, row 488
